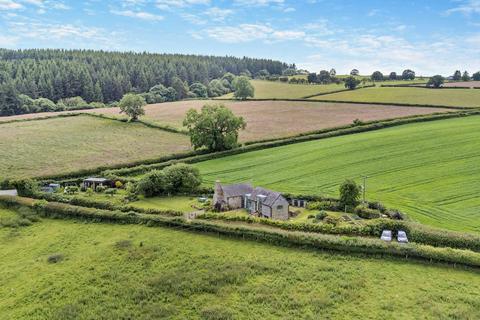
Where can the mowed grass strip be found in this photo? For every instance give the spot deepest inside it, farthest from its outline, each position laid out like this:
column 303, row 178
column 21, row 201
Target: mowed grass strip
column 58, row 269
column 428, row 170
column 454, row 97
column 281, row 90
column 277, row 119
column 60, row 145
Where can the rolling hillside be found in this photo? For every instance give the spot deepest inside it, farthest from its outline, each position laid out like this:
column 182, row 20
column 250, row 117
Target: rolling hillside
column 428, row 170
column 440, row 97
column 79, row 270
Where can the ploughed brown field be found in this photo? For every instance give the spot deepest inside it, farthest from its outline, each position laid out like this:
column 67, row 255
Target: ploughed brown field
column 470, row 84
column 271, row 119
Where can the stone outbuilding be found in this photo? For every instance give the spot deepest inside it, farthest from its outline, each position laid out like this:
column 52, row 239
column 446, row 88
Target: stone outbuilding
column 257, row 201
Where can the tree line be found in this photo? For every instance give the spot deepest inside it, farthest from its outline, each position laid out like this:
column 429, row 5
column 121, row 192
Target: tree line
column 99, row 76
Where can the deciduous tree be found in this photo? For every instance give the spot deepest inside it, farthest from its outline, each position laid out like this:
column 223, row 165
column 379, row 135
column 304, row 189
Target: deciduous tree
column 243, row 88
column 132, row 105
column 215, row 127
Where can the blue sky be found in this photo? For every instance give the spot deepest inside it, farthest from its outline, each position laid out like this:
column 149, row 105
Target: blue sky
column 436, row 36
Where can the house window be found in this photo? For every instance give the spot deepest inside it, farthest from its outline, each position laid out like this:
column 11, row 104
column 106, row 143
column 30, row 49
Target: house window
column 279, row 207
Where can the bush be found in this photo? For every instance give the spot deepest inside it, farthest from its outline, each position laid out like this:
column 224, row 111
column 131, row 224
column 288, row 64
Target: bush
column 182, row 178
column 331, row 205
column 331, row 220
column 366, row 213
column 71, row 190
column 25, row 187
column 321, row 215
column 349, row 193
column 153, row 183
column 100, row 189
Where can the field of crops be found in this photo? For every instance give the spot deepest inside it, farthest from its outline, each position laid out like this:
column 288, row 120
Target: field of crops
column 280, row 90
column 59, row 145
column 276, row 119
column 79, row 271
column 272, row 119
column 454, row 97
column 428, row 170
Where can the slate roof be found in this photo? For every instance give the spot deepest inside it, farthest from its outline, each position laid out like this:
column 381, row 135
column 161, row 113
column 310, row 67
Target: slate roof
column 96, row 180
column 236, row 190
column 271, row 196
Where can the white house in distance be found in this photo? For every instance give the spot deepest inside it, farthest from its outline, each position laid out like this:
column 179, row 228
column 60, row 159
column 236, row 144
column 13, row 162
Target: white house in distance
column 259, row 201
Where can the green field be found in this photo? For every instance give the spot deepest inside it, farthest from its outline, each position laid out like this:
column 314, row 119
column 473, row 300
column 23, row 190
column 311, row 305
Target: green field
column 279, row 90
column 428, row 170
column 136, row 272
column 59, row 145
column 441, row 97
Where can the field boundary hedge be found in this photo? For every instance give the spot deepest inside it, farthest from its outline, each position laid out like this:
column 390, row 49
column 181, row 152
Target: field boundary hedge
column 277, row 237
column 397, row 104
column 371, row 228
column 328, row 133
column 53, row 116
column 336, row 91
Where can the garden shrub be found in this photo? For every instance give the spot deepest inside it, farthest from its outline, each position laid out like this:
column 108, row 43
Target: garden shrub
column 175, row 179
column 25, row 187
column 366, row 213
column 71, row 190
column 100, row 189
column 321, row 215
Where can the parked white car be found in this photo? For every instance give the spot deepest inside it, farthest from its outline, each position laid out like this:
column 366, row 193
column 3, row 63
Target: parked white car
column 386, row 235
column 402, row 237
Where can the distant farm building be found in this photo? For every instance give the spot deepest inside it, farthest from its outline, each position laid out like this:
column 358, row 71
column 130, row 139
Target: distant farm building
column 259, row 201
column 95, row 182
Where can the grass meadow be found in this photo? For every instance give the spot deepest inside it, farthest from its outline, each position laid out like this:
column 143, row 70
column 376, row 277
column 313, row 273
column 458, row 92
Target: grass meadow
column 60, row 145
column 80, row 270
column 277, row 119
column 428, row 170
column 281, row 90
column 441, row 97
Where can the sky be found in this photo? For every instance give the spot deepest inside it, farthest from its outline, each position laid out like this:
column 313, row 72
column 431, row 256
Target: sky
column 428, row 36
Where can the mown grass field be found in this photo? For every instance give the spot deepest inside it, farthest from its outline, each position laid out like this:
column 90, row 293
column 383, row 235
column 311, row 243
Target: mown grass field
column 60, row 145
column 137, row 272
column 428, row 170
column 453, row 97
column 276, row 119
column 280, row 90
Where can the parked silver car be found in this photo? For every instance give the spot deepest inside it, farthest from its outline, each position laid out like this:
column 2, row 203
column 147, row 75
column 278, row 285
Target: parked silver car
column 402, row 237
column 386, row 235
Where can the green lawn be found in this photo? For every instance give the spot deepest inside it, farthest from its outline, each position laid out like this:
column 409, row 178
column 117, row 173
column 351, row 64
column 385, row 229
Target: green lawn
column 178, row 203
column 279, row 90
column 428, row 170
column 107, row 271
column 60, row 145
column 444, row 97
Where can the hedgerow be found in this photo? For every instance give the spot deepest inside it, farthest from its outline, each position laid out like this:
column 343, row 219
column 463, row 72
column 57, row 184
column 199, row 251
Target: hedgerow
column 371, row 228
column 251, row 232
column 103, row 205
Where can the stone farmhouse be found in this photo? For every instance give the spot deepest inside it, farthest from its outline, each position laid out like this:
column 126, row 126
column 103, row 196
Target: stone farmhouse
column 257, row 201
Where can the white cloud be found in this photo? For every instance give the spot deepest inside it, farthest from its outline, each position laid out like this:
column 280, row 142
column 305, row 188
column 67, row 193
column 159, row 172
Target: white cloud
column 8, row 41
column 467, row 7
column 172, row 4
column 258, row 3
column 9, row 5
column 138, row 14
column 218, row 14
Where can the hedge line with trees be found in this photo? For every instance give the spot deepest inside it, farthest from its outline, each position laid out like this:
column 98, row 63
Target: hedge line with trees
column 251, row 232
